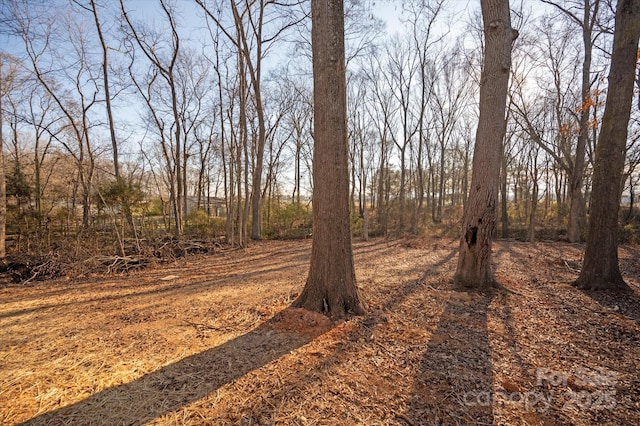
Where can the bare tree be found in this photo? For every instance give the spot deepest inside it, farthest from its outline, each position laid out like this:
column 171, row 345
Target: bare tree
column 299, row 121
column 448, row 100
column 47, row 125
column 402, row 69
column 92, row 8
column 362, row 147
column 278, row 136
column 253, row 39
column 533, row 171
column 105, row 79
column 587, row 23
column 224, row 67
column 547, row 118
column 331, row 283
column 382, row 112
column 600, row 269
column 474, row 261
column 165, row 67
column 67, row 74
column 4, row 77
column 423, row 18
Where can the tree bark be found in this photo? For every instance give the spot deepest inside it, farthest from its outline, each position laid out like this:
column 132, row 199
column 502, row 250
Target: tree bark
column 3, row 185
column 600, row 269
column 474, row 261
column 331, row 284
column 504, row 216
column 577, row 210
column 531, row 232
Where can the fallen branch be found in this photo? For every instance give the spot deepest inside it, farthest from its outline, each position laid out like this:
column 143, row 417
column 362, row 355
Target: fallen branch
column 570, row 268
column 123, row 263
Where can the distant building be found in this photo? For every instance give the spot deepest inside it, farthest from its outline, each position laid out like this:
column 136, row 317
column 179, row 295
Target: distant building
column 215, row 206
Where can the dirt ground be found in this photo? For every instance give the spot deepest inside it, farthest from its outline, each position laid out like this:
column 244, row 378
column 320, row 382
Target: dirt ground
column 207, row 340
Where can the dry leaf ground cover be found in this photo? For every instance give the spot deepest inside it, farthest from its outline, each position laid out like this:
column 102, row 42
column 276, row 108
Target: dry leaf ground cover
column 208, row 340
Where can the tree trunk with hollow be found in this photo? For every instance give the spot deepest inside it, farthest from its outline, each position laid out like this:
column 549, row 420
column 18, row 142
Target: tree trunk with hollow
column 474, row 262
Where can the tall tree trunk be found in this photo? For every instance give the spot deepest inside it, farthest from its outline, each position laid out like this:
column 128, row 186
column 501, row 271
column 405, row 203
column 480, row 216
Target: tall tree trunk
column 331, row 284
column 3, row 185
column 577, row 202
column 419, row 174
column 504, row 216
column 382, row 172
column 227, row 165
column 441, row 181
column 107, row 90
column 256, row 192
column 531, row 233
column 168, row 73
column 474, row 261
column 239, row 211
column 126, row 205
column 465, row 176
column 255, row 76
column 402, row 192
column 631, row 189
column 600, row 269
column 243, row 153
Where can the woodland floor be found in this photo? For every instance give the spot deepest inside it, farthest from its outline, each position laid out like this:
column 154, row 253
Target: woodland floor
column 207, row 340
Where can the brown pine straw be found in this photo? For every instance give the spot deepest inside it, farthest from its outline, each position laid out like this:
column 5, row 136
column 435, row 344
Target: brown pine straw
column 207, row 340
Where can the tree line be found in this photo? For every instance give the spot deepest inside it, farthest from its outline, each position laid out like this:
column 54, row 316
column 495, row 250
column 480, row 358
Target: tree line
column 118, row 113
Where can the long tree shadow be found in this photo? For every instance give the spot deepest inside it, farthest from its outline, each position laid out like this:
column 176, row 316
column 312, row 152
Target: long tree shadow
column 353, row 344
column 626, row 302
column 192, row 378
column 456, row 367
column 194, row 286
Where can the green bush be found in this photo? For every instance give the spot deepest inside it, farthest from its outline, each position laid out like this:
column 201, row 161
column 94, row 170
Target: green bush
column 154, row 207
column 291, row 220
column 117, row 192
column 630, row 233
column 197, row 222
column 200, row 224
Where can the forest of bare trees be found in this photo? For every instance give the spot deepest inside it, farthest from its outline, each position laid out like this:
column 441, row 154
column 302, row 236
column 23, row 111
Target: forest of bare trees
column 133, row 133
column 130, row 120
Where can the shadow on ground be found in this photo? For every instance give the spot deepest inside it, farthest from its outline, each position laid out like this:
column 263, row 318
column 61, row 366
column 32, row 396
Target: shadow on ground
column 451, row 374
column 626, row 302
column 192, row 378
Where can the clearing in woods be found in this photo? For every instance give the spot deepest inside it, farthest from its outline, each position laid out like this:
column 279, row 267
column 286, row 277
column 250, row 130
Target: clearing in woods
column 207, row 340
